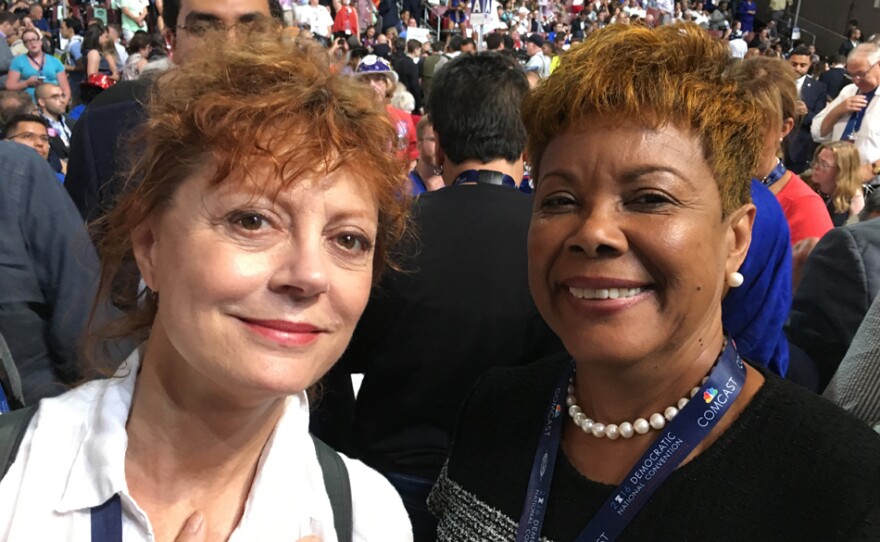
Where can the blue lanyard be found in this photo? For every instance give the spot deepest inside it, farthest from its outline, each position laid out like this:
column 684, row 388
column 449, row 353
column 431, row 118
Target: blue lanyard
column 107, row 521
column 4, row 403
column 774, row 175
column 676, row 441
column 487, row 176
column 484, row 176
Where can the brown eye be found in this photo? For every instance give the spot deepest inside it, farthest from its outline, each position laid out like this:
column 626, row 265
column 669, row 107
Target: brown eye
column 353, row 243
column 249, row 221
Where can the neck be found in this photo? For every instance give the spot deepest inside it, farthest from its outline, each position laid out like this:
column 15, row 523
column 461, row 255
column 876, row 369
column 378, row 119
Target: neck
column 36, row 55
column 766, row 166
column 204, row 438
column 49, row 115
column 609, row 393
column 451, row 171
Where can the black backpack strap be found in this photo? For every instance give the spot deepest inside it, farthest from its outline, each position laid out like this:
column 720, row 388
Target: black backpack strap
column 338, row 489
column 13, row 426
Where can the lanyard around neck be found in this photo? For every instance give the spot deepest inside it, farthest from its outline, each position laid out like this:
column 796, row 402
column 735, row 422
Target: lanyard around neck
column 484, row 176
column 40, row 65
column 678, row 439
column 777, row 173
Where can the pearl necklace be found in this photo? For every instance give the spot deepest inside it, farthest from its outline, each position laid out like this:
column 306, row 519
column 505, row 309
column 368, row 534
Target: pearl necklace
column 641, row 426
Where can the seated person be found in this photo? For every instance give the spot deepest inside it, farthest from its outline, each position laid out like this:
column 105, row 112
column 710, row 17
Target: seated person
column 48, row 269
column 839, row 281
column 856, row 384
column 33, row 131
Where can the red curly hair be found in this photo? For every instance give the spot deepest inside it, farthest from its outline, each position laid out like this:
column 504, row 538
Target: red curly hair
column 255, row 101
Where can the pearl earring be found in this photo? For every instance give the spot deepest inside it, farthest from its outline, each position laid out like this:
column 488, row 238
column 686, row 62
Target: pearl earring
column 735, row 279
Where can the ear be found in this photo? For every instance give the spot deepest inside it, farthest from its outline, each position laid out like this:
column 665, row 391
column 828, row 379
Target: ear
column 170, row 39
column 144, row 247
column 787, row 126
column 739, row 236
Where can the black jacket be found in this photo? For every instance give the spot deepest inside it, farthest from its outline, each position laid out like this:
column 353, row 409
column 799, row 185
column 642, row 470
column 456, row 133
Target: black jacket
column 800, row 144
column 839, row 281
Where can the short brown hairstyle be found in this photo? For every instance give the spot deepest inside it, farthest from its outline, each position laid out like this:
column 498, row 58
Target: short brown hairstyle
column 771, row 82
column 675, row 75
column 256, row 100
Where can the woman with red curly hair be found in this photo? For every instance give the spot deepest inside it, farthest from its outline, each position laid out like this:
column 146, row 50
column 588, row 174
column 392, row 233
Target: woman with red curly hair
column 651, row 427
column 263, row 204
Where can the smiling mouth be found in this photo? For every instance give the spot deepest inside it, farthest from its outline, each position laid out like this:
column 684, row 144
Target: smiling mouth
column 605, row 293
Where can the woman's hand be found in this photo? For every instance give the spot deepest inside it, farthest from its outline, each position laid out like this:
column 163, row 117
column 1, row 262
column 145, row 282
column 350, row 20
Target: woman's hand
column 32, row 81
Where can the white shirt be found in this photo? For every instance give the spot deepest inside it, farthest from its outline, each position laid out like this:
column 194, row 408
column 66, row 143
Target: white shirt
column 73, row 458
column 539, row 63
column 317, row 17
column 800, row 83
column 121, row 52
column 868, row 136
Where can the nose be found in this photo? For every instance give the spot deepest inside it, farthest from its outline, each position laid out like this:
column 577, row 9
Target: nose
column 600, row 233
column 301, row 268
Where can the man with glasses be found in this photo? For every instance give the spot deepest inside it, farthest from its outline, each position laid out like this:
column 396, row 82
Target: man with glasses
column 29, row 130
column 33, row 131
column 855, row 115
column 53, row 106
column 92, row 180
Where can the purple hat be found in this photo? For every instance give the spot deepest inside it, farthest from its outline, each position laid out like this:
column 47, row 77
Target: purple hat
column 371, row 64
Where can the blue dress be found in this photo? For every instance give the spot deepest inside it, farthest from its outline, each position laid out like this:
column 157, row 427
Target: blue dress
column 747, row 19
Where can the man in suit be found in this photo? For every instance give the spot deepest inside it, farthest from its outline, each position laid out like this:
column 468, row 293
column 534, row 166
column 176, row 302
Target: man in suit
column 9, row 24
column 812, row 97
column 839, row 281
column 835, row 77
column 406, row 54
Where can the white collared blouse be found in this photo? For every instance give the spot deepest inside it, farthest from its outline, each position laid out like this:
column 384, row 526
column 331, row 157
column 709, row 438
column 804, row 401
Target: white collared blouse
column 73, row 458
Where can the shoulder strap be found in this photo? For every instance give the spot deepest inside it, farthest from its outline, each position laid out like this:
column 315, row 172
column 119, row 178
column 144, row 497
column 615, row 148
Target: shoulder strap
column 13, row 426
column 338, row 489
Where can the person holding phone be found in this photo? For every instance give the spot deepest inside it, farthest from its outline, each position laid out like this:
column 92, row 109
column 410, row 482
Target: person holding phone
column 35, row 67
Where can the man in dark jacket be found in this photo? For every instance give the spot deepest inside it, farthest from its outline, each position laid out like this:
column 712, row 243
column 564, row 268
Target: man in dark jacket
column 404, row 62
column 839, row 281
column 48, row 274
column 835, row 77
column 812, row 98
column 461, row 305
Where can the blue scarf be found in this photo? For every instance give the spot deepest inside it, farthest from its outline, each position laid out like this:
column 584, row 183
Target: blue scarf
column 754, row 313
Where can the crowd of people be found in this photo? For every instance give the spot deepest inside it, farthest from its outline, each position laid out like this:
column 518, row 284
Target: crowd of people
column 356, row 270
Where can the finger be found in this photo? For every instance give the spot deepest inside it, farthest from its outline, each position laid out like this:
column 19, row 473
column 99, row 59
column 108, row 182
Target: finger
column 193, row 530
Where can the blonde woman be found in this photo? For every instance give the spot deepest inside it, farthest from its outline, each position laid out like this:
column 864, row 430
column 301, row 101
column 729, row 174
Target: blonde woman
column 836, row 176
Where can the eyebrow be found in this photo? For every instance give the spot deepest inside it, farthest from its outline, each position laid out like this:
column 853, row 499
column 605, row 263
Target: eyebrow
column 628, row 177
column 210, row 17
column 634, row 174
